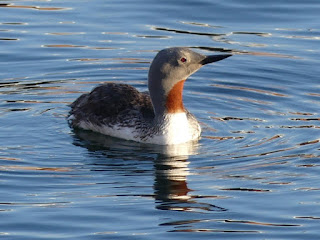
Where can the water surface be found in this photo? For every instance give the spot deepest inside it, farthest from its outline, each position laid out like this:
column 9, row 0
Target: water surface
column 253, row 175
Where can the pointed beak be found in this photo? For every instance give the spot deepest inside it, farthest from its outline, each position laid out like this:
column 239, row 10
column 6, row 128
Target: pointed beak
column 214, row 58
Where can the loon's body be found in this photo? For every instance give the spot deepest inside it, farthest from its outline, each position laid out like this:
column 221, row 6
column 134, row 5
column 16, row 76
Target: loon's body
column 120, row 110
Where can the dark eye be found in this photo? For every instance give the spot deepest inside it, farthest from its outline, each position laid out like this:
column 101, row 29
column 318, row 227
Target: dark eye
column 183, row 59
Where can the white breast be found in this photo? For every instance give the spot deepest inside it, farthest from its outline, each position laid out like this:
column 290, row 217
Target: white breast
column 176, row 129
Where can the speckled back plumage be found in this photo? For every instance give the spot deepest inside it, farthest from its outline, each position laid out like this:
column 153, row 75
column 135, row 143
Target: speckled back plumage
column 110, row 104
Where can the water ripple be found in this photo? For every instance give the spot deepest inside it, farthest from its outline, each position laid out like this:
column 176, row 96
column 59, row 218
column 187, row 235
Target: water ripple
column 7, row 5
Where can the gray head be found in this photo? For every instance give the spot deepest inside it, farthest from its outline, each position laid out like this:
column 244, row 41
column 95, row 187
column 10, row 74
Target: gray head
column 167, row 73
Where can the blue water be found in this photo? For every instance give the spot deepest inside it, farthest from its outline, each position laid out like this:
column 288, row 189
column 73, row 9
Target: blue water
column 254, row 173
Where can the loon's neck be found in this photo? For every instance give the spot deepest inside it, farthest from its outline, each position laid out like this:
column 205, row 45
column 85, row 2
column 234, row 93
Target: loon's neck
column 174, row 101
column 167, row 101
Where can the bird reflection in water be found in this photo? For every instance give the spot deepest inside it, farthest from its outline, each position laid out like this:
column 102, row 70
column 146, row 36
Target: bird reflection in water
column 171, row 186
column 171, row 169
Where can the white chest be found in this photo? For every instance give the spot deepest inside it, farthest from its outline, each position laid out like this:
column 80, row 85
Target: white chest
column 176, row 129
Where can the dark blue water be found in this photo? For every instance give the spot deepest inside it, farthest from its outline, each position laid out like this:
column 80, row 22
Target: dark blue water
column 253, row 175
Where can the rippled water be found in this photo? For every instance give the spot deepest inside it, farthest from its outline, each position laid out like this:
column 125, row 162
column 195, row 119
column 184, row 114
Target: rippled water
column 253, row 175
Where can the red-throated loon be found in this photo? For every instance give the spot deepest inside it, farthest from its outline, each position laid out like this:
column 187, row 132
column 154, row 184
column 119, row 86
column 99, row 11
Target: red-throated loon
column 120, row 110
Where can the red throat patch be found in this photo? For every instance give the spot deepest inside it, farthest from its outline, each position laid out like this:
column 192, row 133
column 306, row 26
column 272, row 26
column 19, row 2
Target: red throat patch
column 174, row 102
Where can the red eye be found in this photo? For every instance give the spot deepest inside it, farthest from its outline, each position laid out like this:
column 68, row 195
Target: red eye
column 183, row 59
